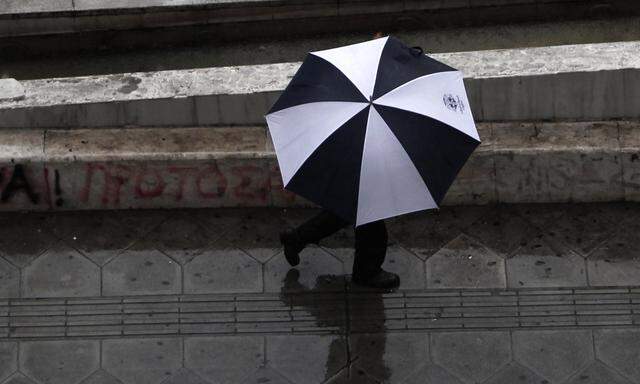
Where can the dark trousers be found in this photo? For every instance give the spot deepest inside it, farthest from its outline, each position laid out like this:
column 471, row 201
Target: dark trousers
column 370, row 246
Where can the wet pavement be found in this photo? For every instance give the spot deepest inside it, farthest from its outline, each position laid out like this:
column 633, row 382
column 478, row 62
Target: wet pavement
column 493, row 294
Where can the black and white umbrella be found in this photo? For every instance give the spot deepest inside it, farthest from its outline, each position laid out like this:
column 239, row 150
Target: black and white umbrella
column 372, row 130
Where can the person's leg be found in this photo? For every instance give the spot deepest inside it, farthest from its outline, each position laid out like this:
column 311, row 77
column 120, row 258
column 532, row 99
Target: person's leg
column 371, row 249
column 312, row 231
column 318, row 227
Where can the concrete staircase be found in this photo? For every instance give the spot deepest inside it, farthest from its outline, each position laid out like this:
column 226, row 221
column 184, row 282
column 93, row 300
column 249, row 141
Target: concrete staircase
column 558, row 125
column 241, row 19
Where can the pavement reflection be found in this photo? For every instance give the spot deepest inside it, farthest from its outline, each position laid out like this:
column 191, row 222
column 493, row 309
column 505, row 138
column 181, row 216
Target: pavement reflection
column 334, row 311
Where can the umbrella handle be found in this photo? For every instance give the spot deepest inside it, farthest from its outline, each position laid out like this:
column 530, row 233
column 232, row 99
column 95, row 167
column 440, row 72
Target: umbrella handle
column 416, row 51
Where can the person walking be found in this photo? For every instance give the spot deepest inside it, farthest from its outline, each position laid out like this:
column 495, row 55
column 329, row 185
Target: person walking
column 369, row 131
column 370, row 247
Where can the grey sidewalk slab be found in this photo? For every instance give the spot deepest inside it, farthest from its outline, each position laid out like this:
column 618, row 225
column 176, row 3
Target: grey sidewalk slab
column 471, row 356
column 209, row 251
column 235, row 312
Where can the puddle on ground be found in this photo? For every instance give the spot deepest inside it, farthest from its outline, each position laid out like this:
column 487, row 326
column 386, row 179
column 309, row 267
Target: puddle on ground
column 297, row 295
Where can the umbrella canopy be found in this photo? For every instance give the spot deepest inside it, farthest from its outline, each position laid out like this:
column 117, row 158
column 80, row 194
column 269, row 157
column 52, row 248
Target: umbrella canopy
column 372, row 130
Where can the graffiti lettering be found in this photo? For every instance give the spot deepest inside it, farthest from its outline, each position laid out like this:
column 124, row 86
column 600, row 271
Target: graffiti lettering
column 219, row 182
column 18, row 182
column 246, row 188
column 182, row 173
column 126, row 184
column 58, row 190
column 157, row 184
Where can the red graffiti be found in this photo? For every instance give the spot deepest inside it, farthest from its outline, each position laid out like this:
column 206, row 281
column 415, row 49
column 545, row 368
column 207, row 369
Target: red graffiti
column 183, row 173
column 250, row 175
column 220, row 182
column 116, row 184
column 114, row 177
column 157, row 184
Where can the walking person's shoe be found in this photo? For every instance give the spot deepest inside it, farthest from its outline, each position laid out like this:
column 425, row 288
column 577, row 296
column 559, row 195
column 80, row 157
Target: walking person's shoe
column 293, row 245
column 381, row 280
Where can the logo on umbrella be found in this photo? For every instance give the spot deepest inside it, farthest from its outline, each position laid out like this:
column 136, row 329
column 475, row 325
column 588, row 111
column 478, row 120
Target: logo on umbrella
column 454, row 103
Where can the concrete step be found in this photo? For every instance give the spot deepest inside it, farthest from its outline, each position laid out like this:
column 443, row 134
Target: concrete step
column 231, row 20
column 23, row 61
column 235, row 166
column 576, row 82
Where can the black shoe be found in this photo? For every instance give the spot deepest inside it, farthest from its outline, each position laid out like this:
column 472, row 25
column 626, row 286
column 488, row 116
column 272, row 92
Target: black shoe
column 292, row 247
column 382, row 280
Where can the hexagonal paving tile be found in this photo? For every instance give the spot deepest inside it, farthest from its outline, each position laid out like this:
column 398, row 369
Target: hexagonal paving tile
column 554, row 355
column 226, row 270
column 598, row 373
column 539, row 265
column 391, row 357
column 100, row 236
column 60, row 361
column 59, row 272
column 101, row 377
column 540, row 215
column 180, row 237
column 618, row 348
column 19, row 379
column 465, row 263
column 424, row 233
column 224, row 359
column 218, row 221
column 265, row 375
column 352, row 375
column 398, row 260
column 583, row 227
column 258, row 233
column 20, row 244
column 516, row 373
column 184, row 376
column 306, row 359
column 502, row 230
column 140, row 271
column 144, row 220
column 142, row 361
column 295, row 217
column 617, row 260
column 458, row 353
column 432, row 373
column 8, row 359
column 317, row 268
column 341, row 244
column 9, row 280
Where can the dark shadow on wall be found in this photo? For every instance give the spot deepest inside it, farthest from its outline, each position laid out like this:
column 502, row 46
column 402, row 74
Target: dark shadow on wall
column 360, row 324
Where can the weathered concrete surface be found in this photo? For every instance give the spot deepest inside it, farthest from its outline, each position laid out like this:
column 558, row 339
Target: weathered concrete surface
column 33, row 17
column 236, row 166
column 111, row 256
column 225, row 316
column 579, row 82
column 64, row 56
column 11, row 89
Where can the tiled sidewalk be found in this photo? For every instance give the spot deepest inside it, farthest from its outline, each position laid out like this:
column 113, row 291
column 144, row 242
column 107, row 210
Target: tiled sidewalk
column 506, row 294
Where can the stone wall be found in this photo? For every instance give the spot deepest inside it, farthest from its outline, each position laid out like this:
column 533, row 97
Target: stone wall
column 236, row 166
